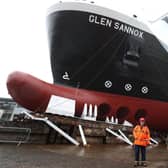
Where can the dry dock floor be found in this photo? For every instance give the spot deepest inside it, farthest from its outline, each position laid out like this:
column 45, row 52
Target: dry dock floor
column 69, row 156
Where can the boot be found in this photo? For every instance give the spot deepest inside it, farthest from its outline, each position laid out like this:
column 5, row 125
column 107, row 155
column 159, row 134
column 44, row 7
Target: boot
column 144, row 164
column 136, row 163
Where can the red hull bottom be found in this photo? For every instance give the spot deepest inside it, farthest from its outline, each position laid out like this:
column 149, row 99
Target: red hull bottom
column 34, row 95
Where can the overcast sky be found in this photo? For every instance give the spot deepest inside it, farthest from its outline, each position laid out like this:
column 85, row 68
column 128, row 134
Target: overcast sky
column 23, row 37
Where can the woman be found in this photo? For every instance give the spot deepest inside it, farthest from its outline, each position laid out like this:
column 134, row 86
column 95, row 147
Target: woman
column 141, row 135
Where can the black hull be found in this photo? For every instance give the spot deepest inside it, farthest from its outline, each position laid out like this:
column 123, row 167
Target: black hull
column 93, row 53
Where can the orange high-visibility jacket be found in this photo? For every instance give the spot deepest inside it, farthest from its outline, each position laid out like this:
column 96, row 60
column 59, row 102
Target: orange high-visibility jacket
column 141, row 135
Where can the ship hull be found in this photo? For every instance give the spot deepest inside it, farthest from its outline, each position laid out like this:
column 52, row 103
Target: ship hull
column 109, row 53
column 103, row 58
column 34, row 94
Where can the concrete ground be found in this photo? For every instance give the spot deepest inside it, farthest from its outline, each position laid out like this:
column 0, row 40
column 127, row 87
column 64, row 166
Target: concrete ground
column 68, row 156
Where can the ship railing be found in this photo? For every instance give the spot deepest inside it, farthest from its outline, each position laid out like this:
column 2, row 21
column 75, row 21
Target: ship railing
column 16, row 135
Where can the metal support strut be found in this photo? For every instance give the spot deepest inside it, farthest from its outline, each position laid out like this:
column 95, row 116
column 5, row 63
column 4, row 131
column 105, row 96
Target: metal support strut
column 124, row 136
column 82, row 135
column 154, row 141
column 56, row 128
column 119, row 136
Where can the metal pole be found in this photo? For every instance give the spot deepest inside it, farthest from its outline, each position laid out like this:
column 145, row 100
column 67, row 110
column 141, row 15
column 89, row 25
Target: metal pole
column 82, row 135
column 124, row 136
column 115, row 134
column 153, row 140
column 64, row 134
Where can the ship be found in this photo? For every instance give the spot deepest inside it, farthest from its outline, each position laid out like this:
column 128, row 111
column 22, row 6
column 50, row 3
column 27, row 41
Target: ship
column 101, row 57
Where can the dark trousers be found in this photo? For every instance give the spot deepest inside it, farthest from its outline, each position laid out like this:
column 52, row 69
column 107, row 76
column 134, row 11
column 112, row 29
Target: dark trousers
column 140, row 149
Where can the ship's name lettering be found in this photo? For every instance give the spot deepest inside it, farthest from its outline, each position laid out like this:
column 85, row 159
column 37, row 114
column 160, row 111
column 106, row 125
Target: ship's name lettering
column 100, row 20
column 106, row 22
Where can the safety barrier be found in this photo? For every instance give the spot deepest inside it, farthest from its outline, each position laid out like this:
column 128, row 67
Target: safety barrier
column 14, row 135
